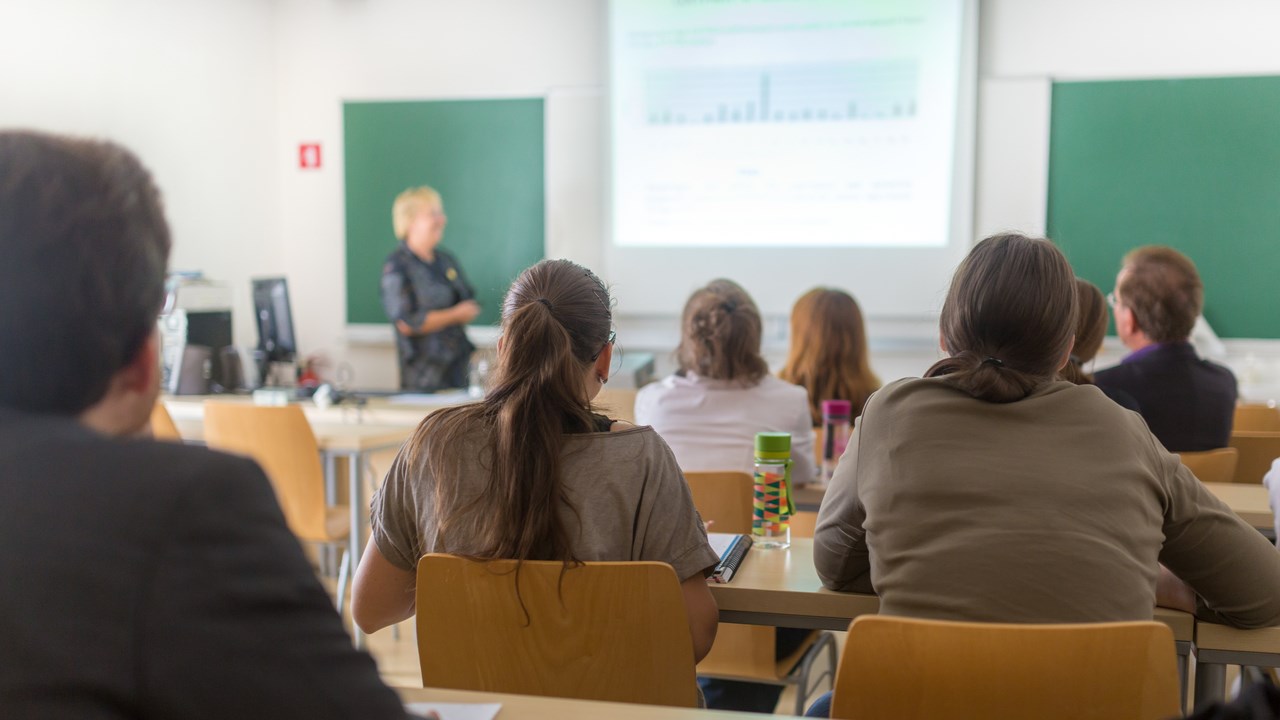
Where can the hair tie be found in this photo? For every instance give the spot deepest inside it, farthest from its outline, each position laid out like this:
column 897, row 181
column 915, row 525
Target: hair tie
column 546, row 302
column 729, row 306
column 993, row 361
column 1072, row 357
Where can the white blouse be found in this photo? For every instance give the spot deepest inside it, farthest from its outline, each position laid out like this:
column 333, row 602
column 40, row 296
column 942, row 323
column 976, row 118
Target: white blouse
column 712, row 424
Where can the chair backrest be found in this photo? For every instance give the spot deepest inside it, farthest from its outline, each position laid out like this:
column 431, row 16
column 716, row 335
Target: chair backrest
column 281, row 441
column 1252, row 417
column 722, row 498
column 1213, row 466
column 903, row 668
column 600, row 631
column 617, row 403
column 1258, row 449
column 162, row 425
column 803, row 523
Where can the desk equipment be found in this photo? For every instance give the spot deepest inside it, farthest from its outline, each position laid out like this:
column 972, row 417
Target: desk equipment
column 732, row 549
column 598, row 631
column 277, row 344
column 196, row 355
column 902, row 669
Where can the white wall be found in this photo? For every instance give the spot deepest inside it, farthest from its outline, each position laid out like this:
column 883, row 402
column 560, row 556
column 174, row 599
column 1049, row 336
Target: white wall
column 335, row 50
column 188, row 85
column 215, row 95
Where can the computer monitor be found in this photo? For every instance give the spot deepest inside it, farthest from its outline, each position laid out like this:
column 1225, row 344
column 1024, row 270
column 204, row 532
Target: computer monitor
column 275, row 321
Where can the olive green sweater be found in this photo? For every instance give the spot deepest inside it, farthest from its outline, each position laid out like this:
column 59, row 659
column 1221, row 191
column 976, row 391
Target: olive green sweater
column 1055, row 508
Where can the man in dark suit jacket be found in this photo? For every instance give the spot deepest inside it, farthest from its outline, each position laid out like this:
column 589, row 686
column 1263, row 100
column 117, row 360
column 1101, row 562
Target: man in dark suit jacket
column 140, row 579
column 1188, row 402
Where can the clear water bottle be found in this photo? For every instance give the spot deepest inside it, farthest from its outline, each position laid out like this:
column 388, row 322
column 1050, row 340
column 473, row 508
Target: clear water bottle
column 836, row 427
column 771, row 499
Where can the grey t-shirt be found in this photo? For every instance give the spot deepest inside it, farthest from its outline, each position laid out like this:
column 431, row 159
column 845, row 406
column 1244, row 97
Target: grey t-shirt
column 631, row 502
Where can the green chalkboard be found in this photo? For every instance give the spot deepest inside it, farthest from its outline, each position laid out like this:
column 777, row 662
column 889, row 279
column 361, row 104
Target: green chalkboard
column 1194, row 164
column 485, row 157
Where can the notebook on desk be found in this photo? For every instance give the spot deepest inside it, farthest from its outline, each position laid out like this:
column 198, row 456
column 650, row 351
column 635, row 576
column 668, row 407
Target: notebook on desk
column 732, row 548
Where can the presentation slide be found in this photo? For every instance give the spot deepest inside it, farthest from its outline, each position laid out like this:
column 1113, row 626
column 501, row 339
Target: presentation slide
column 789, row 132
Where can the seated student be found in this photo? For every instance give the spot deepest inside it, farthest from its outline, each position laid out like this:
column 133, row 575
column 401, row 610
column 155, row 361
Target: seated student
column 1187, row 402
column 710, row 411
column 530, row 472
column 1091, row 328
column 141, row 579
column 990, row 491
column 828, row 354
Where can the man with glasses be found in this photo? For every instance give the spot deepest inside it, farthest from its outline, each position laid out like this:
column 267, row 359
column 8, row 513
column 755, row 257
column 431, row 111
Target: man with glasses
column 1188, row 402
column 142, row 579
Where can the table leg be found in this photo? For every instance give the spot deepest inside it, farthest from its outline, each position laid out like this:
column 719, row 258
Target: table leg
column 1211, row 681
column 355, row 473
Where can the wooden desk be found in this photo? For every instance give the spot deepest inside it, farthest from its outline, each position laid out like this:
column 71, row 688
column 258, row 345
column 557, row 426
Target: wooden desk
column 1217, row 646
column 781, row 588
column 1250, row 502
column 532, row 707
column 337, row 441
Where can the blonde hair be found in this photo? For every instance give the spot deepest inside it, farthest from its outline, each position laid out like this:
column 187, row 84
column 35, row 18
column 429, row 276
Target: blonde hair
column 828, row 355
column 407, row 206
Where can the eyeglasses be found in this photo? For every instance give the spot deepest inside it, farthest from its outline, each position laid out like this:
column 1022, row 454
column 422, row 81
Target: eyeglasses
column 1112, row 300
column 613, row 334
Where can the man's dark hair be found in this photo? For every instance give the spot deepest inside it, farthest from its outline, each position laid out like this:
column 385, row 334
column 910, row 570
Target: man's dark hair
column 83, row 250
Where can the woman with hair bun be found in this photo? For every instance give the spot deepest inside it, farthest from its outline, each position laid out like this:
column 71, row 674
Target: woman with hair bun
column 710, row 410
column 531, row 472
column 709, row 413
column 991, row 490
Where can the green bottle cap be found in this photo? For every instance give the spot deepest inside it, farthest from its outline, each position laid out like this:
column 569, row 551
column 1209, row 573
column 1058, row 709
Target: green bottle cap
column 773, row 443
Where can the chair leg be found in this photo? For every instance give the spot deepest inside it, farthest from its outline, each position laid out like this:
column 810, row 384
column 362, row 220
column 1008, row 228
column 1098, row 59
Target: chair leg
column 803, row 688
column 344, row 573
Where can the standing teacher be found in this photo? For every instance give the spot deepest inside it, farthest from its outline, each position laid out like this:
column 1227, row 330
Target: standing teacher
column 427, row 297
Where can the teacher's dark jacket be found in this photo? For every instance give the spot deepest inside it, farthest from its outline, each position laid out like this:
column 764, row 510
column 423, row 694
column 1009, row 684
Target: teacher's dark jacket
column 411, row 288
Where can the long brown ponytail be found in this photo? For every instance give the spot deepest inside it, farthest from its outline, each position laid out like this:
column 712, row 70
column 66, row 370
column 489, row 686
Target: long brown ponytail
column 1008, row 319
column 556, row 320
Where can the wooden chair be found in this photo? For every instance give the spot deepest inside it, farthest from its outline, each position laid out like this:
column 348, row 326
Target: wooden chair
column 162, row 425
column 281, row 441
column 600, row 631
column 1213, row 466
column 618, row 403
column 903, row 668
column 749, row 652
column 1253, row 417
column 1258, row 449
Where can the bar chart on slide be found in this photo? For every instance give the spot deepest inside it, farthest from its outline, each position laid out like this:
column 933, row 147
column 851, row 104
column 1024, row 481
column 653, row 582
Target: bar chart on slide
column 797, row 93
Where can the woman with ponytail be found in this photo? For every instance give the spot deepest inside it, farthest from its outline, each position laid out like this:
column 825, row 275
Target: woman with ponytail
column 530, row 472
column 991, row 490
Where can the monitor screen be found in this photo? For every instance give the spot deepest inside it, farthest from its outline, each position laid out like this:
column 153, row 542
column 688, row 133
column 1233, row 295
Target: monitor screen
column 275, row 321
